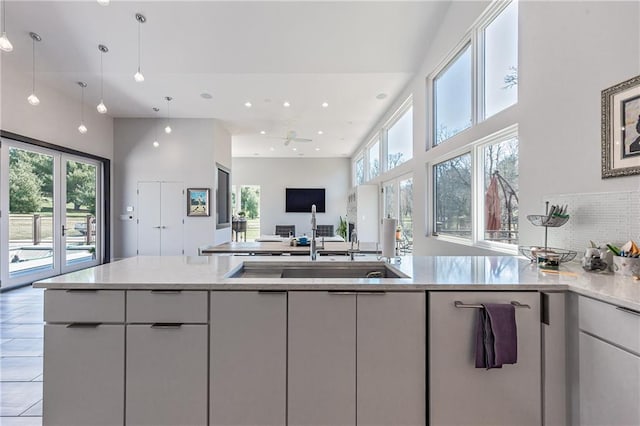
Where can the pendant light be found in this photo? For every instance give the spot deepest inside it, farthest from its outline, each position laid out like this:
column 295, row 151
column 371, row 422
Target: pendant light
column 155, row 126
column 33, row 99
column 102, row 108
column 82, row 128
column 141, row 20
column 5, row 44
column 167, row 129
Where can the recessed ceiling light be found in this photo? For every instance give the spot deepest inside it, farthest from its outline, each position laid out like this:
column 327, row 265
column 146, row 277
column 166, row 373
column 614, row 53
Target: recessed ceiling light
column 272, row 149
column 156, row 144
column 247, row 104
column 325, row 104
column 295, row 149
column 103, row 2
column 381, row 96
column 262, row 132
column 205, row 95
column 286, row 104
column 317, row 149
column 320, row 132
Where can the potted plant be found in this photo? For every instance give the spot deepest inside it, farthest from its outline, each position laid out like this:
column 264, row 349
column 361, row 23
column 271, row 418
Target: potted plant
column 342, row 228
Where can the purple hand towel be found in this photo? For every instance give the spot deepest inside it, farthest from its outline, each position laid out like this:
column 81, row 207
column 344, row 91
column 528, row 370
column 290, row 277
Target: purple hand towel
column 496, row 336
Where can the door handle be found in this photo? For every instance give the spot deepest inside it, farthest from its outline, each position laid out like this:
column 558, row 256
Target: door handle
column 63, row 229
column 156, row 227
column 163, row 227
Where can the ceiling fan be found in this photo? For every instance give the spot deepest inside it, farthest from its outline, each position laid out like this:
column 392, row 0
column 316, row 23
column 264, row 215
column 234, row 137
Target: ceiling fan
column 292, row 136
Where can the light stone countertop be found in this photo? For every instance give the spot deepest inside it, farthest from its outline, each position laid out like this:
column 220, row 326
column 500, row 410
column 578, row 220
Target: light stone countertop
column 439, row 273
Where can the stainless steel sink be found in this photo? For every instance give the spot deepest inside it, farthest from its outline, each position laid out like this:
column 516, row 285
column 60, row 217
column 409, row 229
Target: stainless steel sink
column 374, row 269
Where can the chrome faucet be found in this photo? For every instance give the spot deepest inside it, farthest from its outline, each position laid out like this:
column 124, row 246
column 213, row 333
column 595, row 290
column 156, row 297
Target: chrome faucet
column 313, row 249
column 354, row 239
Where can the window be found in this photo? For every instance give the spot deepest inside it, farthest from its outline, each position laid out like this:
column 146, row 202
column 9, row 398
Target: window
column 359, row 171
column 374, row 159
column 452, row 192
column 487, row 173
column 223, row 198
column 500, row 189
column 400, row 140
column 501, row 61
column 480, row 77
column 452, row 97
column 398, row 204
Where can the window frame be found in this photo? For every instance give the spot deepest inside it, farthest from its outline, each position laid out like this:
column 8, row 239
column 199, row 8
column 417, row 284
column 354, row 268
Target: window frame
column 376, row 139
column 474, row 38
column 357, row 158
column 466, row 42
column 477, row 192
column 398, row 114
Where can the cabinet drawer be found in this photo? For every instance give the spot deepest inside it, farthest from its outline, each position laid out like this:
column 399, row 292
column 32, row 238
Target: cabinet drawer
column 84, row 306
column 167, row 306
column 610, row 323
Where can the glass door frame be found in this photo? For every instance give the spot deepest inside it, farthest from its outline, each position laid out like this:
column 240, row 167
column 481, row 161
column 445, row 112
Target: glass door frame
column 65, row 266
column 103, row 210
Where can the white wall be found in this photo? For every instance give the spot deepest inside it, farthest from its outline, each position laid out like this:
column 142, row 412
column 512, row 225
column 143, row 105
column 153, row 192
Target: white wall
column 189, row 155
column 56, row 119
column 568, row 53
column 275, row 174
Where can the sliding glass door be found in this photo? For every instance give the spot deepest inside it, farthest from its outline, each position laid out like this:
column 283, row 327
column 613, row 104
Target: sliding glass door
column 49, row 216
column 80, row 228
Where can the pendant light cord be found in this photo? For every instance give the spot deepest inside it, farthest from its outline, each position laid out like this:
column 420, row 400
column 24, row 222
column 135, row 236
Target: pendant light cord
column 138, row 46
column 81, row 104
column 33, row 82
column 101, row 77
column 4, row 24
column 167, row 112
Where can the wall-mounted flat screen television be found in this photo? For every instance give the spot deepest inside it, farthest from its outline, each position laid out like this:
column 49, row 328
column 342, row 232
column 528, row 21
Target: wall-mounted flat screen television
column 300, row 200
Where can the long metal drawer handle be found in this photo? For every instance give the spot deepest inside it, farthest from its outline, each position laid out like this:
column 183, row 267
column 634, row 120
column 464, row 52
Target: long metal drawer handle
column 272, row 292
column 166, row 291
column 166, row 326
column 342, row 293
column 372, row 293
column 627, row 310
column 84, row 325
column 81, row 290
column 459, row 304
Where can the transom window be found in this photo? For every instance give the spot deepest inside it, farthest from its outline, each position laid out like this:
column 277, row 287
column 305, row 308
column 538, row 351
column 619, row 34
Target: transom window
column 483, row 67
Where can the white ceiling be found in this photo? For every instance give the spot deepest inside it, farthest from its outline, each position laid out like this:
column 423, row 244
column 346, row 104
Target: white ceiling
column 265, row 52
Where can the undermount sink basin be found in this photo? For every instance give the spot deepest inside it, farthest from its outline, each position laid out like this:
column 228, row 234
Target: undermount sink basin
column 374, row 269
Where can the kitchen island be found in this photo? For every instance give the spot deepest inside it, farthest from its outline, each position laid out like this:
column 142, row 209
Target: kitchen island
column 176, row 340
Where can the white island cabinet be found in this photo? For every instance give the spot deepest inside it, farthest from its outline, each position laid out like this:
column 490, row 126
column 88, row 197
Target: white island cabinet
column 84, row 358
column 609, row 372
column 166, row 358
column 459, row 393
column 357, row 358
column 248, row 358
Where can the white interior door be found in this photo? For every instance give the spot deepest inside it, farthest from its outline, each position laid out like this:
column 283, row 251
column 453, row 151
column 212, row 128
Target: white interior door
column 149, row 218
column 172, row 208
column 161, row 207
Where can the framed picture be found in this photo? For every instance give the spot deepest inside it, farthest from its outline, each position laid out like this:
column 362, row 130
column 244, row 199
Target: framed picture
column 621, row 129
column 198, row 201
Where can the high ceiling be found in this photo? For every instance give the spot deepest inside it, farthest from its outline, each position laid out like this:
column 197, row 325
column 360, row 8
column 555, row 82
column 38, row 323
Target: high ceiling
column 264, row 52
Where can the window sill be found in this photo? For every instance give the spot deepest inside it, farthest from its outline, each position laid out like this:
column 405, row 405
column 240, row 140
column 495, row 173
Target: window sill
column 502, row 248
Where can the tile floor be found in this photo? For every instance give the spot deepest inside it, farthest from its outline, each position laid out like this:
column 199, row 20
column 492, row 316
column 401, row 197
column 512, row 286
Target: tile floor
column 21, row 332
